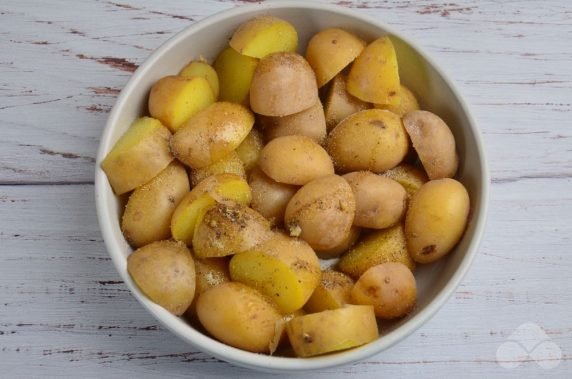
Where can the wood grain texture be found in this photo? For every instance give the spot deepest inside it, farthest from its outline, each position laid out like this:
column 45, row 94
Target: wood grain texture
column 65, row 313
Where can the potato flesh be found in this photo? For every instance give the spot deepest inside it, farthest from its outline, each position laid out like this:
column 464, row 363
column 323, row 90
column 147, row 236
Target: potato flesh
column 284, row 269
column 264, row 35
column 249, row 150
column 389, row 287
column 269, row 198
column 148, row 213
column 436, row 219
column 310, row 123
column 212, row 134
column 333, row 292
column 239, row 316
column 410, row 177
column 340, row 104
column 330, row 51
column 386, row 245
column 231, row 164
column 205, row 70
column 165, row 273
column 332, row 330
column 128, row 165
column 175, row 99
column 407, row 102
column 235, row 72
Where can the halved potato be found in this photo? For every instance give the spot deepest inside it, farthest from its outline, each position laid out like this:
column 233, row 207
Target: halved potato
column 374, row 75
column 410, row 177
column 407, row 102
column 340, row 104
column 264, row 35
column 310, row 123
column 333, row 292
column 235, row 73
column 330, row 51
column 201, row 68
column 284, row 269
column 138, row 156
column 174, row 99
column 249, row 150
column 231, row 164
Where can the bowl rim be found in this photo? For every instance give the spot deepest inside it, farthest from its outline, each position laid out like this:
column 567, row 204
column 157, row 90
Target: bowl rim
column 236, row 356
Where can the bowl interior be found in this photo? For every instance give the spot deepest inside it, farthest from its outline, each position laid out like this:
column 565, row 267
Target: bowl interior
column 435, row 282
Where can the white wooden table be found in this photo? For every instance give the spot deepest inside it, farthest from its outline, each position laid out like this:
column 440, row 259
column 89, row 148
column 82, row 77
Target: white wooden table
column 65, row 313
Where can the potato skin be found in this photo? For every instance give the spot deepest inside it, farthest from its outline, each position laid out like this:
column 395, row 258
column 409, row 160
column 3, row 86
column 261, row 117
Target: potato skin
column 249, row 150
column 343, row 246
column 231, row 164
column 165, row 273
column 210, row 272
column 380, row 201
column 330, row 51
column 372, row 140
column 390, row 287
column 147, row 215
column 227, row 229
column 310, row 122
column 407, row 102
column 138, row 156
column 321, row 212
column 436, row 219
column 380, row 246
column 295, row 160
column 410, row 177
column 235, row 72
column 283, row 84
column 212, row 134
column 332, row 330
column 239, row 316
column 264, row 35
column 434, row 143
column 269, row 198
column 340, row 104
column 333, row 292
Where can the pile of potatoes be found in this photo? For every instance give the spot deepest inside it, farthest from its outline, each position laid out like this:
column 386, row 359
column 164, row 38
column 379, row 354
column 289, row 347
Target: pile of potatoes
column 246, row 173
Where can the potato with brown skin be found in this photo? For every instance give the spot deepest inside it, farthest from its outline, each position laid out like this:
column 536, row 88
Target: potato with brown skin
column 211, row 134
column 231, row 164
column 321, row 212
column 380, row 246
column 165, row 272
column 249, row 150
column 138, row 156
column 434, row 143
column 210, row 272
column 333, row 292
column 373, row 140
column 269, row 198
column 389, row 287
column 436, row 219
column 147, row 215
column 340, row 104
column 409, row 176
column 343, row 246
column 295, row 160
column 407, row 102
column 310, row 122
column 330, row 51
column 239, row 316
column 380, row 201
column 283, row 84
column 227, row 229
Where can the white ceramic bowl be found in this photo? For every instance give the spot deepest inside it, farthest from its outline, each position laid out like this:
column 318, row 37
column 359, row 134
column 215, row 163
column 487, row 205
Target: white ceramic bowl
column 437, row 93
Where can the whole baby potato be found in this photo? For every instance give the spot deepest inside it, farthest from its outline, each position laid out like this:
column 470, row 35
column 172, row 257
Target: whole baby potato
column 321, row 212
column 434, row 143
column 340, row 104
column 239, row 316
column 372, row 140
column 147, row 215
column 380, row 201
column 389, row 287
column 269, row 198
column 330, row 51
column 165, row 272
column 436, row 219
column 212, row 134
column 231, row 164
column 295, row 160
column 310, row 122
column 343, row 246
column 283, row 84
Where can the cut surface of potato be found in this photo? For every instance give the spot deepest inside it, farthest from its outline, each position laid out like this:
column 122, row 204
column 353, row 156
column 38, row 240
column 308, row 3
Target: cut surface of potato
column 138, row 156
column 340, row 104
column 269, row 198
column 332, row 330
column 407, row 102
column 310, row 123
column 374, row 75
column 203, row 69
column 231, row 164
column 284, row 269
column 264, row 35
column 235, row 73
column 333, row 292
column 410, row 177
column 330, row 51
column 249, row 150
column 165, row 273
column 174, row 99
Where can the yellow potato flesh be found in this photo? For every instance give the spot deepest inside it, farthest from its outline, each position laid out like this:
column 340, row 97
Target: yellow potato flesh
column 174, row 99
column 374, row 75
column 235, row 73
column 332, row 330
column 205, row 70
column 410, row 177
column 333, row 292
column 138, row 156
column 407, row 102
column 249, row 150
column 264, row 35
